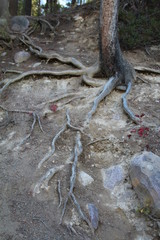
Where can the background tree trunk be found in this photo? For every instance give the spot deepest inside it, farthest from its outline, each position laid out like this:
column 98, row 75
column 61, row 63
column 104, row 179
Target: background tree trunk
column 13, row 7
column 28, row 7
column 4, row 11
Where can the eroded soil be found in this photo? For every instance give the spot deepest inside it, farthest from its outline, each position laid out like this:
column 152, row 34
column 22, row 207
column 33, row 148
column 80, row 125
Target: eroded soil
column 24, row 216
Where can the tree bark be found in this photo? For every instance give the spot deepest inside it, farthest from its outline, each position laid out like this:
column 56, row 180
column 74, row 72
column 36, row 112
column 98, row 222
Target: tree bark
column 13, row 7
column 108, row 35
column 4, row 11
column 111, row 58
column 28, row 7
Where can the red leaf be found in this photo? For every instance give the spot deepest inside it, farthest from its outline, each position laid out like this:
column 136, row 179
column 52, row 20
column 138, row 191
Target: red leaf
column 133, row 130
column 129, row 135
column 53, row 107
column 142, row 115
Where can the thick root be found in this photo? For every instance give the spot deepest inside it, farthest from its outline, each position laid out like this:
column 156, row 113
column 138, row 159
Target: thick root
column 77, row 152
column 108, row 87
column 125, row 105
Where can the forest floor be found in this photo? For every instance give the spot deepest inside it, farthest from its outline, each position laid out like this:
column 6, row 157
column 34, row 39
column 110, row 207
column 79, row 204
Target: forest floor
column 24, row 216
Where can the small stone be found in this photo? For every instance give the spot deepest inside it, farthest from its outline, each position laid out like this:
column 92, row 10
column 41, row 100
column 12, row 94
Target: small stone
column 21, row 56
column 3, row 54
column 145, row 177
column 93, row 213
column 112, row 176
column 36, row 64
column 61, row 48
column 85, row 179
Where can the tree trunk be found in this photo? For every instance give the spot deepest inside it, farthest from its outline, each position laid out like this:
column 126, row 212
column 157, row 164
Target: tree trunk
column 111, row 58
column 28, row 7
column 4, row 11
column 13, row 7
column 108, row 35
column 51, row 6
column 39, row 7
column 73, row 3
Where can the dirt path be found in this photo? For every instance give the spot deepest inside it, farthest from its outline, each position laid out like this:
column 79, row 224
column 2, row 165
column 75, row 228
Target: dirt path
column 23, row 216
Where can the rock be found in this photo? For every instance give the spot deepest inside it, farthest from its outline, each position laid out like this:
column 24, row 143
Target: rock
column 21, row 56
column 3, row 22
column 85, row 179
column 19, row 23
column 145, row 177
column 3, row 54
column 93, row 213
column 112, row 176
column 36, row 64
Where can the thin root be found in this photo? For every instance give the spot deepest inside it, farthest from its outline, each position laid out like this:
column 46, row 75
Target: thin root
column 59, row 192
column 44, row 181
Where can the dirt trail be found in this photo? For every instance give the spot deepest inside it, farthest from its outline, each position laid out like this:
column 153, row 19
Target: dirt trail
column 23, row 216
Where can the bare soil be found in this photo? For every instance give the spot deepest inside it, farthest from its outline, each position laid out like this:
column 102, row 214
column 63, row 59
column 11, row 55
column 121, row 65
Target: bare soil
column 24, row 216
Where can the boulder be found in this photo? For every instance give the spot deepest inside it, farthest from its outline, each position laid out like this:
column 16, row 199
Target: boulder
column 19, row 23
column 21, row 56
column 145, row 177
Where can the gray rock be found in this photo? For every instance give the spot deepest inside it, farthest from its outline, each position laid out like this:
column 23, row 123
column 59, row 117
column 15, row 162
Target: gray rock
column 36, row 64
column 3, row 54
column 3, row 22
column 21, row 56
column 112, row 176
column 84, row 178
column 93, row 213
column 145, row 177
column 19, row 23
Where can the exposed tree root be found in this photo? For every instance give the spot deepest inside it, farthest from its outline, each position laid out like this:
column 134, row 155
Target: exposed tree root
column 87, row 74
column 59, row 192
column 146, row 69
column 71, row 229
column 77, row 152
column 51, row 152
column 108, row 87
column 11, row 71
column 32, row 128
column 125, row 105
column 8, row 82
column 35, row 116
column 29, row 43
column 44, row 181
